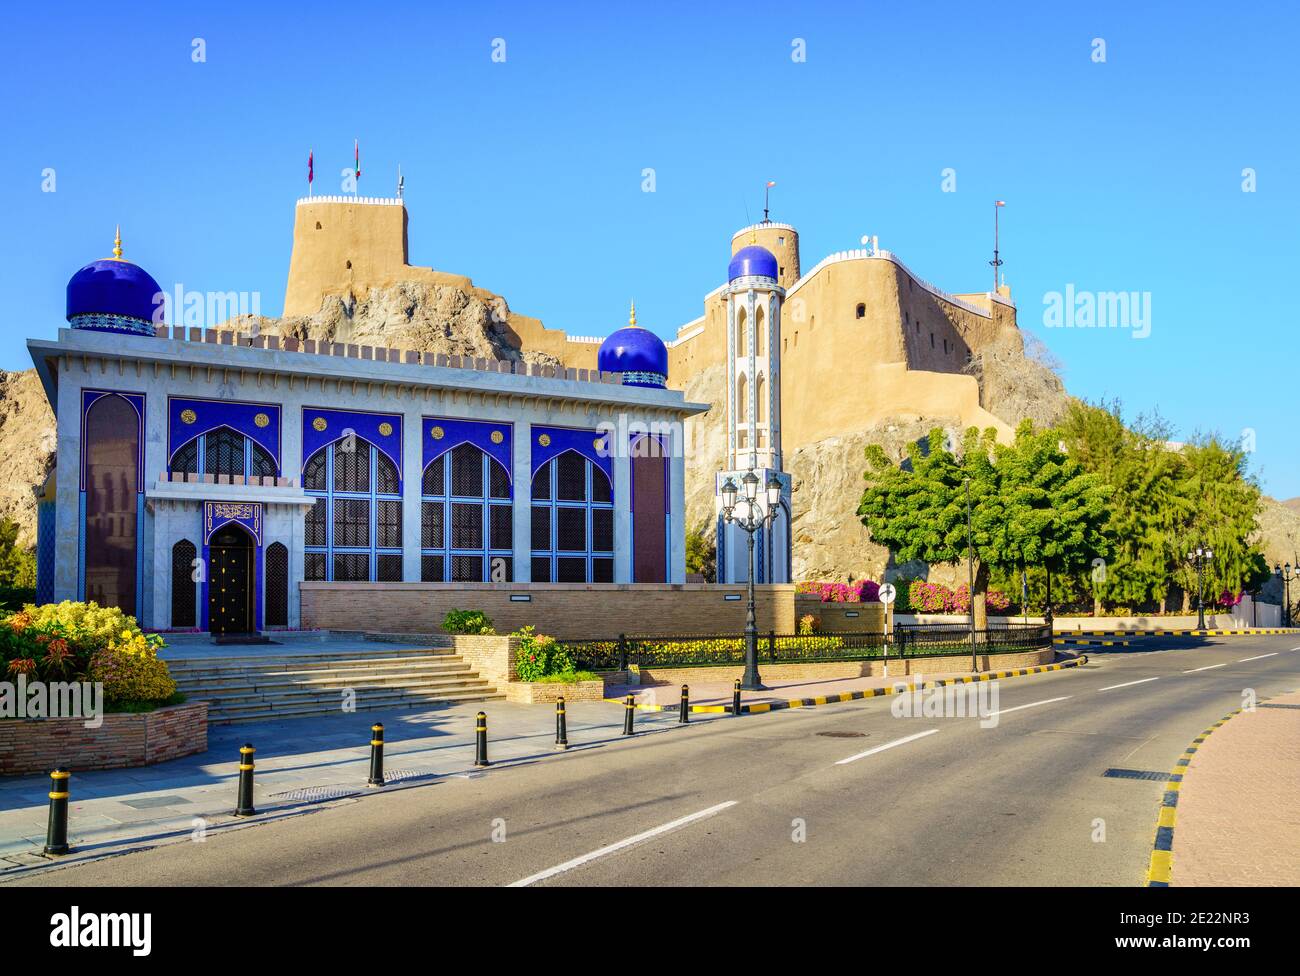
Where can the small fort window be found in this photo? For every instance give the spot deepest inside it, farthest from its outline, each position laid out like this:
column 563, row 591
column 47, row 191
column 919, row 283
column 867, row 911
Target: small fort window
column 931, row 340
column 862, row 310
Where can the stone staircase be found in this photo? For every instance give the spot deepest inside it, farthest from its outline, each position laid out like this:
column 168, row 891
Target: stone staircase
column 248, row 687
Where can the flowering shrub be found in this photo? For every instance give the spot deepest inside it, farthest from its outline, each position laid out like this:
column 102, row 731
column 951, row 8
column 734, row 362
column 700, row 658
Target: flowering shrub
column 807, row 624
column 131, row 671
column 860, row 591
column 926, row 597
column 85, row 642
column 539, row 656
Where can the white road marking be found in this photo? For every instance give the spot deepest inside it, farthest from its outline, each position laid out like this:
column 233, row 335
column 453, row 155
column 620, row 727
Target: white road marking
column 578, row 862
column 887, row 745
column 1030, row 705
column 1259, row 656
column 1140, row 681
column 1207, row 668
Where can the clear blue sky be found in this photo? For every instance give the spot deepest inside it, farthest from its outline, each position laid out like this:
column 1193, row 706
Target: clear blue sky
column 526, row 174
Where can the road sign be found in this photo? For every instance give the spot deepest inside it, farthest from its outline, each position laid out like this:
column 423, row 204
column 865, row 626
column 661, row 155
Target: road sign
column 887, row 593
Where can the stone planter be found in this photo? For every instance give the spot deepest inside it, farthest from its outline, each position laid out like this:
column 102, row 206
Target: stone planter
column 546, row 692
column 124, row 739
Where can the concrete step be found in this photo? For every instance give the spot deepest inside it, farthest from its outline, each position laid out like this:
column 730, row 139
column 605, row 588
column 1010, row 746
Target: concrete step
column 467, row 680
column 325, row 676
column 263, row 712
column 302, row 661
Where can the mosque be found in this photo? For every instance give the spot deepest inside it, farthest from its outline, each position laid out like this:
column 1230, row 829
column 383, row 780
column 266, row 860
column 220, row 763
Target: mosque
column 201, row 475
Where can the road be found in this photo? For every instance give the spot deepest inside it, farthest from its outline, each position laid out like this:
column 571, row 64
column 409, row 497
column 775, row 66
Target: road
column 846, row 794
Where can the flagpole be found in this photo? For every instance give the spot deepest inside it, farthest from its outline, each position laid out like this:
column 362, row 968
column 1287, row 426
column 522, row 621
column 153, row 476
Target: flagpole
column 996, row 262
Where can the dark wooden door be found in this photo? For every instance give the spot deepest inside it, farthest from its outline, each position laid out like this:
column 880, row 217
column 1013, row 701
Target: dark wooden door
column 230, row 582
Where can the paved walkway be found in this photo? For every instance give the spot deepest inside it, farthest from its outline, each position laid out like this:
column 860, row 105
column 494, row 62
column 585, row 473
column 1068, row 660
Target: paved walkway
column 720, row 692
column 299, row 761
column 1238, row 820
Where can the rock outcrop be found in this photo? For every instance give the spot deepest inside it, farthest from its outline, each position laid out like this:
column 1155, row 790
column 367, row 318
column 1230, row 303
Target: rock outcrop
column 27, row 443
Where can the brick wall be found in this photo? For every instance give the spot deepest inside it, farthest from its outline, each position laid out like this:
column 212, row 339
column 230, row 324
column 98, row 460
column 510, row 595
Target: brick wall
column 124, row 739
column 571, row 610
column 842, row 618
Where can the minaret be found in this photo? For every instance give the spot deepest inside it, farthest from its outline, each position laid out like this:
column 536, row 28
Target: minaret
column 754, row 297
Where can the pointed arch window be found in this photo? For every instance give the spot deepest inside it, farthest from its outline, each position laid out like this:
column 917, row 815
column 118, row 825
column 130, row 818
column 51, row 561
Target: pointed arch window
column 224, row 452
column 573, row 522
column 466, row 518
column 354, row 530
column 184, row 592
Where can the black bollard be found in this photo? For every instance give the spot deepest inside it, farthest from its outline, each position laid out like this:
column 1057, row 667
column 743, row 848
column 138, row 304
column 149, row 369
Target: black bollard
column 735, row 699
column 245, row 807
column 56, row 835
column 376, row 755
column 685, row 716
column 561, row 726
column 480, row 735
column 628, row 709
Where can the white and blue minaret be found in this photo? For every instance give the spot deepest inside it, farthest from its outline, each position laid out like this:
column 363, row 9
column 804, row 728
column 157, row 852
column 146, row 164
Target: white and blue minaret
column 754, row 299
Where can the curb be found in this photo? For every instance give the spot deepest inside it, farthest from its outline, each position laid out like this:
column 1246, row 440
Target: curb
column 1160, row 870
column 1249, row 632
column 848, row 696
column 1091, row 642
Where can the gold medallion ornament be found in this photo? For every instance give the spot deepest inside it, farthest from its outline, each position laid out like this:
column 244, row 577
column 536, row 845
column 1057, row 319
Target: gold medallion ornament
column 188, row 416
column 544, row 440
column 438, row 433
column 599, row 445
column 319, row 424
column 497, row 437
column 262, row 420
column 385, row 429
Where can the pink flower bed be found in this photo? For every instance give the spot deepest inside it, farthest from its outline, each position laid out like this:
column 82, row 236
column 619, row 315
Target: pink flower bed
column 860, row 591
column 925, row 597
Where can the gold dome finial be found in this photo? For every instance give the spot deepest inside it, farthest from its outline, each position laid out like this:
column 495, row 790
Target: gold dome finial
column 117, row 244
column 632, row 318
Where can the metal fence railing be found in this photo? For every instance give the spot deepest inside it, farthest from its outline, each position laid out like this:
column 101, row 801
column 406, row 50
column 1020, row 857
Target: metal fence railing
column 696, row 650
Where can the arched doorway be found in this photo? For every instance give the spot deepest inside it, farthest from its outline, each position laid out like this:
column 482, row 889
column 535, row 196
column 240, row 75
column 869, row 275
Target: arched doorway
column 231, row 603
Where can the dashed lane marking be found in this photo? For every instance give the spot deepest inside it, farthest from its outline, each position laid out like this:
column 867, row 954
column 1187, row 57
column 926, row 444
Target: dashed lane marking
column 887, row 745
column 614, row 848
column 1030, row 705
column 1208, row 667
column 1257, row 657
column 1126, row 684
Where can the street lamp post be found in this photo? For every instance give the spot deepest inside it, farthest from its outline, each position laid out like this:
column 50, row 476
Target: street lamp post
column 1287, row 575
column 749, row 523
column 1199, row 557
column 970, row 576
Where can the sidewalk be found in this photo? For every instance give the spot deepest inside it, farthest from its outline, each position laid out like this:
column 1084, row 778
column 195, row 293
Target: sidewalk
column 299, row 762
column 808, row 689
column 1238, row 823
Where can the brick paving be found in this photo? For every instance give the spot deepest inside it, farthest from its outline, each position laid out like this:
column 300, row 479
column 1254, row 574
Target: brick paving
column 1238, row 818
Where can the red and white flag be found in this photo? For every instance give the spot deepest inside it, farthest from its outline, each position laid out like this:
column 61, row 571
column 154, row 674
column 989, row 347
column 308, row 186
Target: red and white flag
column 999, row 203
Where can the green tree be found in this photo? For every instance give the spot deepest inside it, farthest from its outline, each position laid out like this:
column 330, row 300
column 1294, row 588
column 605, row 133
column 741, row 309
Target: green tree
column 1222, row 502
column 17, row 565
column 1144, row 499
column 1029, row 504
column 701, row 554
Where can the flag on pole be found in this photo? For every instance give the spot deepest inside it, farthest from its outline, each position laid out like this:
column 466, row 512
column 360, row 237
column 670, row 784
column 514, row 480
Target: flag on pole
column 999, row 203
column 771, row 183
column 356, row 156
column 310, row 173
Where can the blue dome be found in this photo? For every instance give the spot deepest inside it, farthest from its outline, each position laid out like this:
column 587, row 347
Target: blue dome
column 113, row 295
column 752, row 261
column 637, row 353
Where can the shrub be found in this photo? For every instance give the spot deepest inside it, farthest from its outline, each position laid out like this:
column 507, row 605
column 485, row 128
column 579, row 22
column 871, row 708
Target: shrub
column 925, row 597
column 131, row 670
column 807, row 624
column 539, row 656
column 467, row 622
column 88, row 624
column 859, row 591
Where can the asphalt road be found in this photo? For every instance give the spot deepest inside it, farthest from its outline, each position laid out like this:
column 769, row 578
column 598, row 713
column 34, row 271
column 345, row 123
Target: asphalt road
column 842, row 794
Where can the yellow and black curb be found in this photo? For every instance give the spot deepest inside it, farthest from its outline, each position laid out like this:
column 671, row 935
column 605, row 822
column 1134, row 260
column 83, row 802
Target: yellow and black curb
column 1090, row 642
column 1160, row 870
column 848, row 696
column 1247, row 632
